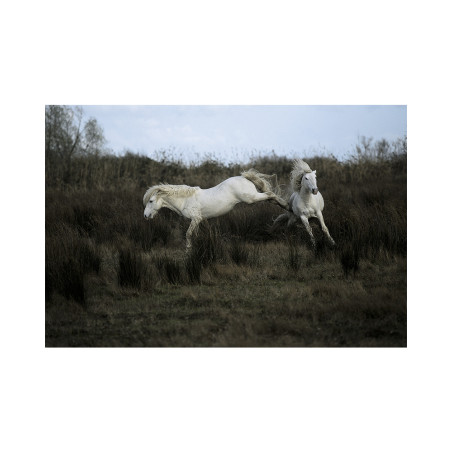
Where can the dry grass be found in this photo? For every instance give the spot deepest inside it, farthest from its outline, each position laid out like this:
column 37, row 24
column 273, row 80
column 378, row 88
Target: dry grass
column 113, row 279
column 267, row 304
column 240, row 306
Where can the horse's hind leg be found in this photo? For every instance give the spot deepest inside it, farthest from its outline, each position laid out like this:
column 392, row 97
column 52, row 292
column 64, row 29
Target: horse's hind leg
column 277, row 200
column 278, row 220
column 292, row 219
column 289, row 216
column 266, row 196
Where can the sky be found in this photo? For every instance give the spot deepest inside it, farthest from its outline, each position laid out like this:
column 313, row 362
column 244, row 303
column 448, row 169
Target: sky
column 236, row 133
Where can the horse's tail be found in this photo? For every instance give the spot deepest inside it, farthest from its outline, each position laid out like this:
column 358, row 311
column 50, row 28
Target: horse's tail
column 261, row 181
column 299, row 169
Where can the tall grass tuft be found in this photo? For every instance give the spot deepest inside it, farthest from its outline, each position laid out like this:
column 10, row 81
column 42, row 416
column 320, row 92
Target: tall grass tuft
column 147, row 234
column 170, row 269
column 349, row 257
column 131, row 268
column 193, row 267
column 238, row 251
column 207, row 248
column 293, row 260
column 70, row 256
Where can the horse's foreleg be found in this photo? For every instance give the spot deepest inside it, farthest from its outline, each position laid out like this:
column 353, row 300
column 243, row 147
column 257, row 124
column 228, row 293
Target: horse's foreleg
column 324, row 228
column 193, row 228
column 305, row 221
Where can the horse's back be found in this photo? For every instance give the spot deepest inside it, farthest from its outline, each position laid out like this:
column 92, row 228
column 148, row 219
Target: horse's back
column 236, row 185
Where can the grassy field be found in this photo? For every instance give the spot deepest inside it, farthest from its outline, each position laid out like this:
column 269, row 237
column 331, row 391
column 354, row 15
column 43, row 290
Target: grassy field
column 113, row 279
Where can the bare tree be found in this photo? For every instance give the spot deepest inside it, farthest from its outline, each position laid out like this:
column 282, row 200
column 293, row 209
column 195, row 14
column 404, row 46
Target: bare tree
column 93, row 140
column 67, row 135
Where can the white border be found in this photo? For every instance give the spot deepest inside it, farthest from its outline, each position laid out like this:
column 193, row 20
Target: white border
column 203, row 52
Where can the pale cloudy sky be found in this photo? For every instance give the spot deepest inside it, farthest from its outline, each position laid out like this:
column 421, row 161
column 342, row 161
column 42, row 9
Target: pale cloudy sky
column 234, row 133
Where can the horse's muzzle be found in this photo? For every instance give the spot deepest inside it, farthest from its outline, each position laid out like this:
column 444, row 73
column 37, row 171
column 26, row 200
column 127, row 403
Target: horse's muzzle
column 315, row 191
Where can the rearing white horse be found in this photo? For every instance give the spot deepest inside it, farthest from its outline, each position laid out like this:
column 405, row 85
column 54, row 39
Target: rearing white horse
column 306, row 200
column 198, row 204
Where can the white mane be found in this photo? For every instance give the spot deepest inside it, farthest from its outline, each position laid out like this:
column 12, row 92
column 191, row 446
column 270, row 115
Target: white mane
column 300, row 168
column 180, row 191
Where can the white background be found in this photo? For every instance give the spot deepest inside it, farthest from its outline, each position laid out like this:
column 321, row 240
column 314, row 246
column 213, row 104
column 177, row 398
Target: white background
column 235, row 52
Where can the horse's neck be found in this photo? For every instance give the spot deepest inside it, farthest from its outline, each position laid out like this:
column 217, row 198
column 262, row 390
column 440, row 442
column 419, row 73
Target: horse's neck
column 174, row 204
column 305, row 195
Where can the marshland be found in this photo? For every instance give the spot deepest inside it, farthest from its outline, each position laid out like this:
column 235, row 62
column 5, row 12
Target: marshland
column 114, row 279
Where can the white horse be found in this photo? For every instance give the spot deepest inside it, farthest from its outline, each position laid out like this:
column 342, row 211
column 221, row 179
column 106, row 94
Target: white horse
column 305, row 201
column 198, row 204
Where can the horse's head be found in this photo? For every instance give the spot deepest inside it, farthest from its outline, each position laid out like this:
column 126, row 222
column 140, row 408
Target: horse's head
column 152, row 203
column 310, row 182
column 152, row 207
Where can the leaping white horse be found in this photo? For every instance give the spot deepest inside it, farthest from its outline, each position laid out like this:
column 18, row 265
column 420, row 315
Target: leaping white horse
column 306, row 200
column 198, row 204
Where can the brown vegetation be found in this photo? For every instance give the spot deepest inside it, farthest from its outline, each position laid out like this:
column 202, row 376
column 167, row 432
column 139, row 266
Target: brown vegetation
column 113, row 279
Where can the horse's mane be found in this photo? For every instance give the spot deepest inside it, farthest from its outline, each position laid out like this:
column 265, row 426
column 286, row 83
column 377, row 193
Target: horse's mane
column 258, row 179
column 172, row 191
column 299, row 169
